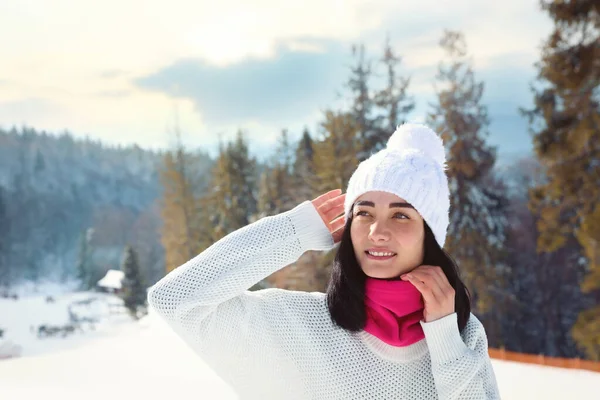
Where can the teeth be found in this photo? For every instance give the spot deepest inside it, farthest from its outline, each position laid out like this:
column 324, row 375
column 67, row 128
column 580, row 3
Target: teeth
column 377, row 254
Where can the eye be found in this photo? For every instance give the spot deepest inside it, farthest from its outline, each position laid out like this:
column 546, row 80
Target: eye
column 361, row 213
column 401, row 216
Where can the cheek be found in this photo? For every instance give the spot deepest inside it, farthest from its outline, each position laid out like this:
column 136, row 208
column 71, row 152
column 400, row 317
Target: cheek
column 409, row 235
column 357, row 230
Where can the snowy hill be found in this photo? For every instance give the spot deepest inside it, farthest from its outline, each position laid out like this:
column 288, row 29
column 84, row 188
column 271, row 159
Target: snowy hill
column 53, row 188
column 123, row 359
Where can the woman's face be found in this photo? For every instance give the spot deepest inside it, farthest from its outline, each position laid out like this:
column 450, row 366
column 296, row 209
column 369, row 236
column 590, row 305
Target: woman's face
column 387, row 235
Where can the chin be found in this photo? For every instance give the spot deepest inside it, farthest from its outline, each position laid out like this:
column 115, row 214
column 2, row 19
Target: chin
column 381, row 273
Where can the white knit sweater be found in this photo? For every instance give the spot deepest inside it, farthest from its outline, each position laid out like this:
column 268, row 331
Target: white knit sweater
column 281, row 344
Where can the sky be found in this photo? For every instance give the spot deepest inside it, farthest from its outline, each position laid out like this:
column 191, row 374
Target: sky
column 124, row 71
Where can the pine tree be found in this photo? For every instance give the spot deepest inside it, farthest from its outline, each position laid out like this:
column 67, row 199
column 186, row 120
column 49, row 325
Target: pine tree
column 40, row 164
column 284, row 153
column 282, row 176
column 477, row 223
column 335, row 157
column 290, row 181
column 219, row 197
column 334, row 160
column 84, row 261
column 565, row 123
column 275, row 188
column 206, row 221
column 233, row 199
column 393, row 99
column 5, row 270
column 303, row 171
column 134, row 289
column 243, row 182
column 181, row 233
column 362, row 110
column 266, row 194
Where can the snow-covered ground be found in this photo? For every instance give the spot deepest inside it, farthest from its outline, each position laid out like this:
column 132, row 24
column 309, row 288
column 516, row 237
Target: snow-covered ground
column 122, row 359
column 21, row 319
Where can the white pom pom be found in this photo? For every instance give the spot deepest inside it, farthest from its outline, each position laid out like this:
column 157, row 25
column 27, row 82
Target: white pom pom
column 418, row 137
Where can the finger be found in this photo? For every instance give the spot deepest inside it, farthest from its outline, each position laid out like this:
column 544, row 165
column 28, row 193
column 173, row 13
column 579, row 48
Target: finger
column 426, row 282
column 326, row 196
column 334, row 202
column 435, row 283
column 421, row 287
column 337, row 224
column 434, row 272
column 443, row 287
column 441, row 278
column 334, row 207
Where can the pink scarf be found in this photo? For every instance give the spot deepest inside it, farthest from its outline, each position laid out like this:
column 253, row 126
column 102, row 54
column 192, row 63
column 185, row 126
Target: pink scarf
column 394, row 311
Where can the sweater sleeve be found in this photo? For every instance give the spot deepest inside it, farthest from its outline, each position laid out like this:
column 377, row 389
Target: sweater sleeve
column 461, row 366
column 206, row 301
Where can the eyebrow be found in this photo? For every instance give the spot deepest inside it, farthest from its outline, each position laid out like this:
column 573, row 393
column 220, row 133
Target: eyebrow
column 392, row 205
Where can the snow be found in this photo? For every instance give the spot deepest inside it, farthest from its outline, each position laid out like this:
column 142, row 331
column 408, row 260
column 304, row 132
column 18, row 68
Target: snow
column 48, row 288
column 138, row 362
column 123, row 359
column 20, row 319
column 112, row 279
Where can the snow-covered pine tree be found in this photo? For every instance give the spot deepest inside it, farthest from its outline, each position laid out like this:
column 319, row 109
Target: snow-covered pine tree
column 477, row 221
column 244, row 181
column 282, row 173
column 275, row 186
column 5, row 270
column 133, row 284
column 566, row 126
column 84, row 261
column 233, row 196
column 393, row 99
column 304, row 175
column 377, row 113
column 287, row 182
column 362, row 108
column 335, row 158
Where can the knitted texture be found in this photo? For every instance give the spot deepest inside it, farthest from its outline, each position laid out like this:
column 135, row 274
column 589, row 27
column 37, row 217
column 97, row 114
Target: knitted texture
column 281, row 344
column 412, row 167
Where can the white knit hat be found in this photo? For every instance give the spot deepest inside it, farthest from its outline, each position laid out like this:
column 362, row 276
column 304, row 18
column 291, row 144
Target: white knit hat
column 412, row 166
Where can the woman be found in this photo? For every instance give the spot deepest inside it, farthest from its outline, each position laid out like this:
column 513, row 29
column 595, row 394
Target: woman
column 395, row 322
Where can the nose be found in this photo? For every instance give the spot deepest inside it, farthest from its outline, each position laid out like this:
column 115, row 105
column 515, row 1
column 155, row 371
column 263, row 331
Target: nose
column 379, row 232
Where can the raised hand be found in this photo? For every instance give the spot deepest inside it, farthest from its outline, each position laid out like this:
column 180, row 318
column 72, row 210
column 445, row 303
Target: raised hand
column 438, row 294
column 330, row 206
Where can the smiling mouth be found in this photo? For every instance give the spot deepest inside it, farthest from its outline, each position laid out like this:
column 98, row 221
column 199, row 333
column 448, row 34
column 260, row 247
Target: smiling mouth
column 379, row 256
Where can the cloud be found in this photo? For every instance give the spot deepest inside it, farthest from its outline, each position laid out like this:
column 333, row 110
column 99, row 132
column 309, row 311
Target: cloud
column 289, row 86
column 265, row 95
column 114, row 93
column 113, row 73
column 260, row 65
